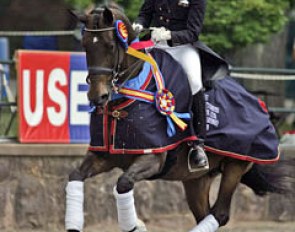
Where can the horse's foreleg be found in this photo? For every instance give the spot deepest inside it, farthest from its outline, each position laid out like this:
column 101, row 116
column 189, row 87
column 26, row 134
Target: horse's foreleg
column 231, row 176
column 91, row 166
column 144, row 166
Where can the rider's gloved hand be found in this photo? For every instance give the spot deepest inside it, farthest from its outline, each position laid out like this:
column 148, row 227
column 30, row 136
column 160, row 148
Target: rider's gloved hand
column 160, row 34
column 137, row 27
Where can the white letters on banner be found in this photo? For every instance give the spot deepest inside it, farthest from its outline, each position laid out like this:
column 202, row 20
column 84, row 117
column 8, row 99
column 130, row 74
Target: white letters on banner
column 33, row 117
column 57, row 118
column 78, row 98
column 56, row 115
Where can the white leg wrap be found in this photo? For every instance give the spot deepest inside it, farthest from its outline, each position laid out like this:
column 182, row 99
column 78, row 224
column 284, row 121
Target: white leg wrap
column 208, row 224
column 74, row 218
column 127, row 216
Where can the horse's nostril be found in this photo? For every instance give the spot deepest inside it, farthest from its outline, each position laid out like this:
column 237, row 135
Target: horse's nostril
column 101, row 100
column 105, row 97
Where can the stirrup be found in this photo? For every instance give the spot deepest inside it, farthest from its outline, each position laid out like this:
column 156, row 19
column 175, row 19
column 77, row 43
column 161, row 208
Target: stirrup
column 192, row 167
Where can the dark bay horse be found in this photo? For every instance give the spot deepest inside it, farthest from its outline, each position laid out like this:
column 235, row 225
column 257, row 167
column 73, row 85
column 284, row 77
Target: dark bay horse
column 108, row 63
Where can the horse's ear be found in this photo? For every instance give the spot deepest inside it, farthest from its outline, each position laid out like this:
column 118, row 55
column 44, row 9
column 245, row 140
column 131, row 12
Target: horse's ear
column 81, row 17
column 108, row 16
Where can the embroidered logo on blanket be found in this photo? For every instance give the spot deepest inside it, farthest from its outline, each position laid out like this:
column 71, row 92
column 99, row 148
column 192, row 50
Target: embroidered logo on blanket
column 212, row 114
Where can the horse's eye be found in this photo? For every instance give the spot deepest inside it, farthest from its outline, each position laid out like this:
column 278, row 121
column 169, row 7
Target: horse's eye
column 112, row 46
column 88, row 81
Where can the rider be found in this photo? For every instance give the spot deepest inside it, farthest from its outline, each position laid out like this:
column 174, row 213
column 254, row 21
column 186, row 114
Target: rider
column 179, row 22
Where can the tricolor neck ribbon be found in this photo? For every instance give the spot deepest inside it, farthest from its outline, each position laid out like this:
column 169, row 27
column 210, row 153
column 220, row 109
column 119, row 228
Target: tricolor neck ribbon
column 165, row 104
column 163, row 99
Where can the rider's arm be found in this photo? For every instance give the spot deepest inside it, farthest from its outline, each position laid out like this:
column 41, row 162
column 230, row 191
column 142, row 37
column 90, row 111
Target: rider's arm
column 146, row 12
column 194, row 24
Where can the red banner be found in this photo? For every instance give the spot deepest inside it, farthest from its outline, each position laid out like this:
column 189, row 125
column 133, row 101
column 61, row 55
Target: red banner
column 44, row 96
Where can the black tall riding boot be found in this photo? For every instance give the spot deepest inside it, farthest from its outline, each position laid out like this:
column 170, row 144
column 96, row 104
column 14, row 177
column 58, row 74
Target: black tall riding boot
column 197, row 155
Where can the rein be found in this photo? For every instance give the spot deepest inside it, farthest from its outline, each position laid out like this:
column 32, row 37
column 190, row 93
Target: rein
column 115, row 76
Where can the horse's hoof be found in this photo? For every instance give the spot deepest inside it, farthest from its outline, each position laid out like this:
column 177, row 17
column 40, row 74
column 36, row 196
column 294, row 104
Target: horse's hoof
column 140, row 226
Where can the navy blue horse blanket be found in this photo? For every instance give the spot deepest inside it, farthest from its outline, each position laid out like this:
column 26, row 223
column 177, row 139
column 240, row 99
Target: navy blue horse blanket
column 237, row 125
column 142, row 129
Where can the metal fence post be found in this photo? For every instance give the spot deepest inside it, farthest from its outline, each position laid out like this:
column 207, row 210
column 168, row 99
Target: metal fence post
column 4, row 55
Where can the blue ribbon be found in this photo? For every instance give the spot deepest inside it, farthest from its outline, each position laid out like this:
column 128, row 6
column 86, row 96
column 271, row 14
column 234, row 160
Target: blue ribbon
column 171, row 131
column 170, row 128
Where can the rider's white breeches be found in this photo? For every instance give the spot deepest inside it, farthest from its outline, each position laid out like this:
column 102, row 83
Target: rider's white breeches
column 189, row 58
column 74, row 218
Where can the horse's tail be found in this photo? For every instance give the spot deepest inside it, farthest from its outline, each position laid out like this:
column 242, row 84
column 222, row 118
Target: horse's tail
column 275, row 178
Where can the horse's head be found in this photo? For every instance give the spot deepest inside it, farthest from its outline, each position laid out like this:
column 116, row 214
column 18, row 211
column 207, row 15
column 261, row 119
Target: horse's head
column 104, row 53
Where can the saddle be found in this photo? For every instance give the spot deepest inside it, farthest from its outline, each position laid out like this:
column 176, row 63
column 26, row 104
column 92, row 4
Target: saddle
column 214, row 67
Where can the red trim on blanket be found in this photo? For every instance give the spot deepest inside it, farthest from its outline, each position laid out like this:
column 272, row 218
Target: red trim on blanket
column 262, row 105
column 105, row 129
column 105, row 132
column 242, row 157
column 112, row 150
column 112, row 132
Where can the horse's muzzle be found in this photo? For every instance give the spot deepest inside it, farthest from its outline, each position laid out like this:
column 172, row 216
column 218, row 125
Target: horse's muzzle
column 100, row 101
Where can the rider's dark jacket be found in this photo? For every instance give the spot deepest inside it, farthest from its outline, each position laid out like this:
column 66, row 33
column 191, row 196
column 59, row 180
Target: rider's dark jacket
column 185, row 23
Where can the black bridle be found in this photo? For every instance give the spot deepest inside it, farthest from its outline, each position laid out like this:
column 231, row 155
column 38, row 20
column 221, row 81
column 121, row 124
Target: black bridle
column 97, row 70
column 114, row 72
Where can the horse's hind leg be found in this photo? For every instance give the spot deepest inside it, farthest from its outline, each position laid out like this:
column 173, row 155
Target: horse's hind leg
column 197, row 195
column 144, row 167
column 197, row 192
column 231, row 177
column 91, row 166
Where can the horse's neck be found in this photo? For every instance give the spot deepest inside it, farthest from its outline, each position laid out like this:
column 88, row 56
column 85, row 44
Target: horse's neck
column 130, row 60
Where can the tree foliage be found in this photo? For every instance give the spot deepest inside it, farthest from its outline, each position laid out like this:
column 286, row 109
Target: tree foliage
column 229, row 24
column 131, row 7
column 232, row 24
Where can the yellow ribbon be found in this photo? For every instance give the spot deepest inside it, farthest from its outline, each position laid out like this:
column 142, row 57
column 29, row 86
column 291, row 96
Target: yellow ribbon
column 148, row 58
column 182, row 125
column 140, row 55
column 135, row 93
